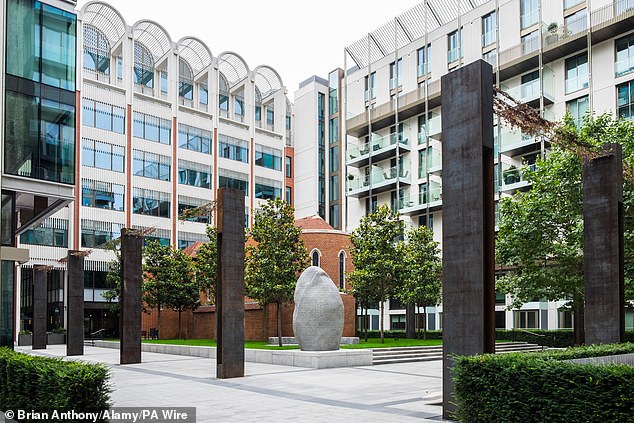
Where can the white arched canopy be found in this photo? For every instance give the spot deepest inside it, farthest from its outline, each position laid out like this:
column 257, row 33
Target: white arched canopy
column 106, row 19
column 233, row 67
column 196, row 53
column 267, row 80
column 153, row 36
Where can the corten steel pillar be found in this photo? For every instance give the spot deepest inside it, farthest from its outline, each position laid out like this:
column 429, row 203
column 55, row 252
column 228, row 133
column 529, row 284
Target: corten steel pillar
column 130, row 299
column 603, row 247
column 230, row 284
column 40, row 304
column 468, row 219
column 75, row 324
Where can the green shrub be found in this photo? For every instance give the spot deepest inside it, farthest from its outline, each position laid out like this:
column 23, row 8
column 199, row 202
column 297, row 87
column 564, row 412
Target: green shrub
column 549, row 338
column 431, row 334
column 540, row 387
column 45, row 384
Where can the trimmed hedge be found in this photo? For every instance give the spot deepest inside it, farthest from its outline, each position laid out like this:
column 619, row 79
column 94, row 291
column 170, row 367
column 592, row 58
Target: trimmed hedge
column 540, row 387
column 44, row 384
column 431, row 334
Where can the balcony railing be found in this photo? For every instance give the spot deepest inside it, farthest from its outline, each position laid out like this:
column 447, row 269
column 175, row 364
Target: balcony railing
column 570, row 3
column 369, row 94
column 377, row 143
column 514, row 178
column 431, row 197
column 434, row 128
column 530, row 91
column 394, row 82
column 624, row 66
column 453, row 55
column 378, row 177
column 577, row 83
column 423, row 69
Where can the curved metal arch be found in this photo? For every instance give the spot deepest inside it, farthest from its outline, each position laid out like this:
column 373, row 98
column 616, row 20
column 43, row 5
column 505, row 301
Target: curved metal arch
column 223, row 84
column 153, row 36
column 185, row 71
column 258, row 96
column 196, row 53
column 97, row 46
column 267, row 80
column 233, row 67
column 105, row 18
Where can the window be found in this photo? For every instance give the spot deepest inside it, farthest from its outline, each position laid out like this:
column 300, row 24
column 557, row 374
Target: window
column 576, row 73
column 371, row 204
column 231, row 179
column 288, row 167
column 96, row 50
column 194, row 174
column 289, row 195
column 52, row 232
column 333, row 188
column 258, row 105
column 370, row 92
column 270, row 117
column 333, row 130
column 489, row 29
column 578, row 108
column 422, row 55
column 397, row 321
column 187, row 203
column 194, row 139
column 333, row 89
column 570, row 3
column 333, row 216
column 151, row 165
column 96, row 234
column 163, row 81
column 530, row 86
column 315, row 256
column 491, row 57
column 624, row 55
column 342, row 270
column 267, row 189
column 529, row 13
column 102, row 195
column 151, row 203
column 625, row 100
column 396, row 74
column 203, row 94
column 40, row 42
column 119, row 68
column 564, row 319
column 152, row 128
column 143, row 66
column 103, row 116
column 185, row 80
column 39, row 137
column 333, row 156
column 455, row 42
column 102, row 155
column 426, row 221
column 268, row 157
column 233, row 148
column 526, row 319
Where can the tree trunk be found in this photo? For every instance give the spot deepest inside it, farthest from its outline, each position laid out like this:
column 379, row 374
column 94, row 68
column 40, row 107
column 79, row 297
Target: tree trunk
column 578, row 319
column 279, row 323
column 158, row 329
column 179, row 324
column 381, row 307
column 410, row 321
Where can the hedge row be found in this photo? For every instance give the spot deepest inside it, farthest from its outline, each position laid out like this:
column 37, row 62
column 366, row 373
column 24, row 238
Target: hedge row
column 44, row 384
column 540, row 387
column 548, row 338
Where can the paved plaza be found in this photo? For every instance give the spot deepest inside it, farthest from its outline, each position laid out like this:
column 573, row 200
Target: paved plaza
column 269, row 393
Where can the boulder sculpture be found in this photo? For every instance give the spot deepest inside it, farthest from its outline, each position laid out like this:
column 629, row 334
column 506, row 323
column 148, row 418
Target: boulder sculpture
column 318, row 315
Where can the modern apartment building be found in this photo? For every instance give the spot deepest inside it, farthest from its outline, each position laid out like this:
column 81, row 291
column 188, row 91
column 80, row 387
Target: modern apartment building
column 38, row 132
column 162, row 123
column 558, row 56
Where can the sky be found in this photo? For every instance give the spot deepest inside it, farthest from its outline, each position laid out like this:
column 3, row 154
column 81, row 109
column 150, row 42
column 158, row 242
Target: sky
column 297, row 38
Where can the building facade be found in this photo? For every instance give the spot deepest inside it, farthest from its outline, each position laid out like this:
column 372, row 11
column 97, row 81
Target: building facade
column 559, row 56
column 39, row 86
column 162, row 124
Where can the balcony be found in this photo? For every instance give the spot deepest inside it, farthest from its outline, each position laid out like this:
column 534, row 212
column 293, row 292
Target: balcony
column 577, row 83
column 514, row 143
column 379, row 148
column 380, row 180
column 383, row 115
column 513, row 178
column 425, row 200
column 611, row 19
column 433, row 128
column 529, row 92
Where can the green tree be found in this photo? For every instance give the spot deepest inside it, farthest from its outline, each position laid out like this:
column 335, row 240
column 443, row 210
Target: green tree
column 422, row 284
column 377, row 255
column 182, row 289
column 205, row 265
column 540, row 236
column 275, row 260
column 156, row 274
column 113, row 278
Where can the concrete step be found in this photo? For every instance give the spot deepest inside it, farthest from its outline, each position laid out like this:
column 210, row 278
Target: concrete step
column 428, row 353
